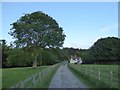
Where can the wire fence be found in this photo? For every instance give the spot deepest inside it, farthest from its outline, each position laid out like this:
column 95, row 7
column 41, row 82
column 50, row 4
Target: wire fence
column 110, row 78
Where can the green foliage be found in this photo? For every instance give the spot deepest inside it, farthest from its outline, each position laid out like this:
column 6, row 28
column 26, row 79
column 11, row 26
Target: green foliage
column 51, row 56
column 105, row 49
column 4, row 49
column 77, row 53
column 85, row 55
column 37, row 29
column 71, row 51
column 18, row 57
column 45, row 57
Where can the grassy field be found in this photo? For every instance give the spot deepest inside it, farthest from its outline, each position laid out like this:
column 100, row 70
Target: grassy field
column 11, row 76
column 102, row 67
column 92, row 82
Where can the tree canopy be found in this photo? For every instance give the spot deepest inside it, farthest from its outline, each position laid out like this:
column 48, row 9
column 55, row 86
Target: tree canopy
column 37, row 29
column 104, row 50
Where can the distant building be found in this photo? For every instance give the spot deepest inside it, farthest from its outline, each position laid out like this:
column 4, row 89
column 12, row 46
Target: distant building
column 75, row 59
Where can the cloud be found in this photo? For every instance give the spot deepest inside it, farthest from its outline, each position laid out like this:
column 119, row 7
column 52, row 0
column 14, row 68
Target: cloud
column 105, row 29
column 81, row 45
column 86, row 43
column 109, row 28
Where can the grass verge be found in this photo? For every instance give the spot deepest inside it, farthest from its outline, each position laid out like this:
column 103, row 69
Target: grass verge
column 46, row 81
column 81, row 77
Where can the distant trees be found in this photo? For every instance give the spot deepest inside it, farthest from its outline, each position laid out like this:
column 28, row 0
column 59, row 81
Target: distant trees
column 52, row 55
column 71, row 51
column 35, row 31
column 18, row 57
column 4, row 49
column 105, row 50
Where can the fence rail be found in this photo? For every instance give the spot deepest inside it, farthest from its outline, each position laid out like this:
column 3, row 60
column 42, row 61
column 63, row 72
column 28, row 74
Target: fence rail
column 110, row 78
column 32, row 81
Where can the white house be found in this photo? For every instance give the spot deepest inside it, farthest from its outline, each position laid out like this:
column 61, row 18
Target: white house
column 75, row 59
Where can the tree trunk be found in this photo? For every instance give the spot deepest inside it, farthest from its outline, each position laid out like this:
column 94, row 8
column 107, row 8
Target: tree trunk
column 40, row 62
column 35, row 62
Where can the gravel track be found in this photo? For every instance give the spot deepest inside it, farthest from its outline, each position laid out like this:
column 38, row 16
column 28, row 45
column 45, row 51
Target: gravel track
column 64, row 78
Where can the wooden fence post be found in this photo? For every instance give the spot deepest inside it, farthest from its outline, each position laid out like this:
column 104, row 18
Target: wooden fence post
column 86, row 70
column 21, row 84
column 42, row 73
column 75, row 67
column 46, row 72
column 91, row 71
column 33, row 81
column 79, row 68
column 111, row 78
column 99, row 74
column 40, row 76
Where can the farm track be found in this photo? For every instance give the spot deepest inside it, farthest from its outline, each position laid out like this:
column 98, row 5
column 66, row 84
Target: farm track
column 64, row 78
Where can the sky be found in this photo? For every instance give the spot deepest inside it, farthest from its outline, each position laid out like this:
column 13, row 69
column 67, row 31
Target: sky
column 83, row 22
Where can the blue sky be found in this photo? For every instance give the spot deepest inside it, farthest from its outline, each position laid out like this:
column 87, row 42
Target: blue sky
column 83, row 23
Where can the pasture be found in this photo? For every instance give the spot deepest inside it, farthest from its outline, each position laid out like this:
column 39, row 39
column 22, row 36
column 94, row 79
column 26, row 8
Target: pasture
column 11, row 76
column 97, row 76
column 102, row 67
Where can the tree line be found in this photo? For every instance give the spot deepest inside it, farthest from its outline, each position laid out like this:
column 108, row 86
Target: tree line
column 103, row 51
column 17, row 57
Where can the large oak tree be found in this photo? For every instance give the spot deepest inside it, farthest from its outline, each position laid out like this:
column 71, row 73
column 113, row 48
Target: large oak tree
column 37, row 30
